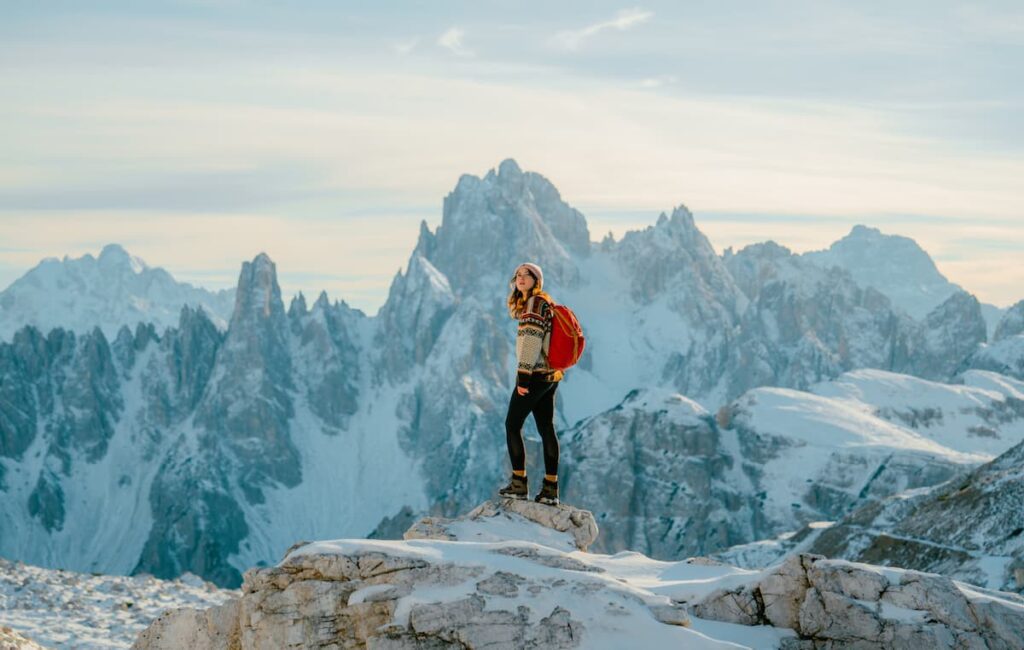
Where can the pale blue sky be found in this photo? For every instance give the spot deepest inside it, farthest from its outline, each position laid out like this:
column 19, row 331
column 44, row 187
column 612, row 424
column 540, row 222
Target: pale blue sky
column 198, row 134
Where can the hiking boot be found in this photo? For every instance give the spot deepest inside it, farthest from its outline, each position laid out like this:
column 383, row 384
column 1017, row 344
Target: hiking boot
column 548, row 494
column 516, row 488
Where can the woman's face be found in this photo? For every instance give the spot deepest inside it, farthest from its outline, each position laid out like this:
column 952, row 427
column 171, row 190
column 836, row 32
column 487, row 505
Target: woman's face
column 524, row 279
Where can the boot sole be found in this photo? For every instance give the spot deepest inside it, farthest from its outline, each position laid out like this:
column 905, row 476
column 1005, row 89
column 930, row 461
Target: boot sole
column 547, row 502
column 517, row 497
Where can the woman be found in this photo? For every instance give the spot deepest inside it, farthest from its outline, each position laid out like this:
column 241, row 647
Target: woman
column 536, row 383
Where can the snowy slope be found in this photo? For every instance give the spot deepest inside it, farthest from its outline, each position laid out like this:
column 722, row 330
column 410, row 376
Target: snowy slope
column 984, row 415
column 67, row 610
column 813, row 458
column 112, row 290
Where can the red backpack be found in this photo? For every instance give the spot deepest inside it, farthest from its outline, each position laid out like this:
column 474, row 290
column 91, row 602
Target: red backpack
column 567, row 340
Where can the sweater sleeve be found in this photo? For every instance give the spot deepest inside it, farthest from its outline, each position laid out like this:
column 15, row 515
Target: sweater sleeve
column 529, row 340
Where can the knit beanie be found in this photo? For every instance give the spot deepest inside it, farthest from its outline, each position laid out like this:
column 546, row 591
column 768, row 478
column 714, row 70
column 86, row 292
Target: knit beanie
column 537, row 273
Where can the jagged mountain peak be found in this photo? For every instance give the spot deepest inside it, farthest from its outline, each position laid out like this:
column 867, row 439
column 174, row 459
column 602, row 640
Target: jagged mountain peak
column 258, row 293
column 681, row 218
column 297, row 307
column 491, row 224
column 508, row 171
column 676, row 230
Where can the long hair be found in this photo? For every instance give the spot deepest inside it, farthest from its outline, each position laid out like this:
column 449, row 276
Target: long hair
column 517, row 299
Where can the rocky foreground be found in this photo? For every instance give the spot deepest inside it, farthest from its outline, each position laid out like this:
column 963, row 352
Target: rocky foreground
column 513, row 575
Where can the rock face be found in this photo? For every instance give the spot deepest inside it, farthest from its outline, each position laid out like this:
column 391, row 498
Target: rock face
column 837, row 604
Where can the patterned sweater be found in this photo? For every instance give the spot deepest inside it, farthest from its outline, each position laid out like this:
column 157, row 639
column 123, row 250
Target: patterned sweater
column 532, row 340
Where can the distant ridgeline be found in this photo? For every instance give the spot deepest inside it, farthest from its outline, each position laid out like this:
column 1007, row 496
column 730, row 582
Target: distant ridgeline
column 722, row 400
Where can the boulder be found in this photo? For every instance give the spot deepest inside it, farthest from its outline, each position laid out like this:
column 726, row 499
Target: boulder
column 493, row 520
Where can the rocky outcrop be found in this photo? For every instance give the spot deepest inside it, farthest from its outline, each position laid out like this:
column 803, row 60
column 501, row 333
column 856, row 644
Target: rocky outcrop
column 512, row 593
column 487, row 521
column 837, row 604
column 430, row 594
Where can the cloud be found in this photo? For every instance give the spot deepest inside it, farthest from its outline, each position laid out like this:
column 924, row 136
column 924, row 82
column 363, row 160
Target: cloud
column 625, row 19
column 405, row 47
column 452, row 40
column 657, row 82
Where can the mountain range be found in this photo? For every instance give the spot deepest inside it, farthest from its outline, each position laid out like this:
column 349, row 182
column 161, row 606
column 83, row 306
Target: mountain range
column 709, row 381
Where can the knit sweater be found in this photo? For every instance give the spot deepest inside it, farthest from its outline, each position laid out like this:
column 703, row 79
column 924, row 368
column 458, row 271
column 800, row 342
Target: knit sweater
column 532, row 341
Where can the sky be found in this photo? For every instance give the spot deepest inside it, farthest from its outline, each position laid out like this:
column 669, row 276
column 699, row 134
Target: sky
column 198, row 134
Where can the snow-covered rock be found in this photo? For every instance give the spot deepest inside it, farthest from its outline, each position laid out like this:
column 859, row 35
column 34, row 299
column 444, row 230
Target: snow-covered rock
column 76, row 611
column 110, row 291
column 513, row 594
column 11, row 640
column 563, row 526
column 838, row 604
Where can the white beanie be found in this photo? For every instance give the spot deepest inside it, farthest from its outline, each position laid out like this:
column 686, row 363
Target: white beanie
column 537, row 273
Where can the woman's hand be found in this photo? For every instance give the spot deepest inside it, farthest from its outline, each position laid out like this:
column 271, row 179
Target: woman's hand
column 521, row 390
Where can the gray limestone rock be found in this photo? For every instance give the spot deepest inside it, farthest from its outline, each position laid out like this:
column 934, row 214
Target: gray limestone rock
column 836, row 604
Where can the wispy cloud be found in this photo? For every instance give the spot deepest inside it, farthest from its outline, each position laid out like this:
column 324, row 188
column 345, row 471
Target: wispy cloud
column 452, row 41
column 625, row 19
column 405, row 47
column 657, row 82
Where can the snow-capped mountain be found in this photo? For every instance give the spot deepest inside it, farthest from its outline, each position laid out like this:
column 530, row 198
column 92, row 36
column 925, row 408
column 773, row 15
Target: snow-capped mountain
column 896, row 266
column 108, row 291
column 198, row 450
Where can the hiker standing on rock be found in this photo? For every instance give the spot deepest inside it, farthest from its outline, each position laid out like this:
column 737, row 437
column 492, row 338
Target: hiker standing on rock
column 536, row 383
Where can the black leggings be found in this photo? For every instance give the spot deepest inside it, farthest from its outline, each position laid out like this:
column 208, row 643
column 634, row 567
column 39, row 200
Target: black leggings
column 541, row 402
